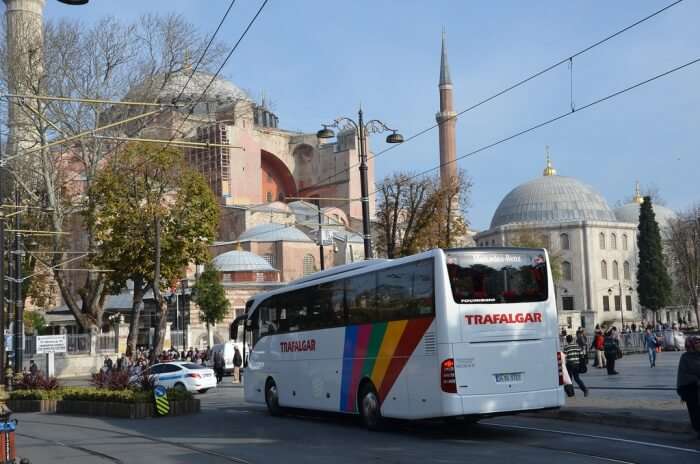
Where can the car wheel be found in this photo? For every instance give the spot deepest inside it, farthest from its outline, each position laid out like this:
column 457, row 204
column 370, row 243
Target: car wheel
column 180, row 387
column 203, row 390
column 370, row 408
column 272, row 398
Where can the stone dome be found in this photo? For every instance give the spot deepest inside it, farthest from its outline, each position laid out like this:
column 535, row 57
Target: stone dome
column 552, row 199
column 630, row 213
column 220, row 92
column 239, row 260
column 273, row 232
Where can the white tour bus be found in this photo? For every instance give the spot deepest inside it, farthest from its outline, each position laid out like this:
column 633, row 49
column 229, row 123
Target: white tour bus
column 445, row 333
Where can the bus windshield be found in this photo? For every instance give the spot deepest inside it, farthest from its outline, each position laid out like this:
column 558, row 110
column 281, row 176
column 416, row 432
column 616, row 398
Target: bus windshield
column 486, row 277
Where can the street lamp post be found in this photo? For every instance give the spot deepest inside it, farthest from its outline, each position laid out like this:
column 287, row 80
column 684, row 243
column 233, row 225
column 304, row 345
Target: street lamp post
column 622, row 308
column 373, row 126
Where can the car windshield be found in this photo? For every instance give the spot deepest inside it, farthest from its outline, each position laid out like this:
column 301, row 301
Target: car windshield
column 192, row 366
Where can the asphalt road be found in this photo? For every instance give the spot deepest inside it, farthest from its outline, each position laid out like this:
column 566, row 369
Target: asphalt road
column 228, row 430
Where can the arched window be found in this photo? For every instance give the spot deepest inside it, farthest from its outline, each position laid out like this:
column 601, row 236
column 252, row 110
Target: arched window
column 626, row 270
column 564, row 241
column 624, row 241
column 616, row 271
column 309, row 264
column 601, row 239
column 604, row 269
column 613, row 242
column 566, row 270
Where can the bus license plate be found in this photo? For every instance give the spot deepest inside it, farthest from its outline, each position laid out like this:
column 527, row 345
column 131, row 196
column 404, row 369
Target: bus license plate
column 511, row 377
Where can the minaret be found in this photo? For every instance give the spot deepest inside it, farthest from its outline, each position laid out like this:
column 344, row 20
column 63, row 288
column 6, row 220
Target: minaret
column 24, row 39
column 446, row 119
column 549, row 169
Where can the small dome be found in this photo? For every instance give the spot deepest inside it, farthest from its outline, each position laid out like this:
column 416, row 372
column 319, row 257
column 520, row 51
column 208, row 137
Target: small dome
column 239, row 260
column 552, row 199
column 630, row 213
column 221, row 91
column 273, row 232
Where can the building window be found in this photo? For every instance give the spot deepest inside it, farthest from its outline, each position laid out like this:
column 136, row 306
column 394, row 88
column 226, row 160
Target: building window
column 566, row 270
column 628, row 302
column 618, row 303
column 624, row 241
column 309, row 266
column 601, row 239
column 626, row 270
column 606, row 303
column 567, row 303
column 270, row 258
column 604, row 269
column 269, row 197
column 226, row 276
column 616, row 271
column 569, row 323
column 613, row 242
column 259, row 277
column 564, row 241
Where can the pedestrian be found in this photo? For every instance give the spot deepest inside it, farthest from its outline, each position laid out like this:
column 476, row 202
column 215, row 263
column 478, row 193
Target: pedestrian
column 574, row 359
column 599, row 342
column 219, row 366
column 688, row 383
column 582, row 341
column 237, row 363
column 108, row 364
column 650, row 345
column 611, row 347
column 33, row 369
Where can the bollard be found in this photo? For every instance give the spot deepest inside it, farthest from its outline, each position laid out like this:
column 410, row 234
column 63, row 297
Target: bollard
column 7, row 435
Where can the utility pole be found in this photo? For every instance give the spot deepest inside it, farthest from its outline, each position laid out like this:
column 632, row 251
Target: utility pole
column 320, row 236
column 19, row 302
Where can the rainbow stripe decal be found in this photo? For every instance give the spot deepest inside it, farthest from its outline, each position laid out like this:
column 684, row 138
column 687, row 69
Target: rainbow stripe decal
column 378, row 351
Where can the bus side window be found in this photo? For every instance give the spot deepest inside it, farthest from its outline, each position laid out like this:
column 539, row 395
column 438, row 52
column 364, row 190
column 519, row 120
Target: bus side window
column 394, row 293
column 360, row 294
column 423, row 303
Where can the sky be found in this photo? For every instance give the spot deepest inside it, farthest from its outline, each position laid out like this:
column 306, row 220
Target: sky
column 317, row 60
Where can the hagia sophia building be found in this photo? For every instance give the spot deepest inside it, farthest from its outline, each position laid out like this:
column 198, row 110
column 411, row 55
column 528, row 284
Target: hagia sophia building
column 265, row 179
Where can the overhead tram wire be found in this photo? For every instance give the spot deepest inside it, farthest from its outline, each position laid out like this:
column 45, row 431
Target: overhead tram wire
column 554, row 119
column 507, row 89
column 218, row 71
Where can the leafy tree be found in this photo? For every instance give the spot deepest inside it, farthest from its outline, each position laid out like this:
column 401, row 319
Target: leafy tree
column 154, row 216
column 684, row 247
column 653, row 281
column 209, row 295
column 34, row 322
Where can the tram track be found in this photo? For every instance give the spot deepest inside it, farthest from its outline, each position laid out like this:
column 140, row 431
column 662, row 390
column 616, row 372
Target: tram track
column 161, row 441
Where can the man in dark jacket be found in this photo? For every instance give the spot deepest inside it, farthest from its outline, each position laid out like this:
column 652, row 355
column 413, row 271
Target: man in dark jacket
column 219, row 366
column 611, row 346
column 688, row 382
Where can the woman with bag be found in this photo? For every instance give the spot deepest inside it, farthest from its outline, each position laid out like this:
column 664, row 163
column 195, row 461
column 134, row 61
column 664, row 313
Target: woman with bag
column 688, row 382
column 574, row 358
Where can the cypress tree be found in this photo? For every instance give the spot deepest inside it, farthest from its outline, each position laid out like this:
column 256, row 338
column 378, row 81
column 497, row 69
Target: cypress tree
column 653, row 281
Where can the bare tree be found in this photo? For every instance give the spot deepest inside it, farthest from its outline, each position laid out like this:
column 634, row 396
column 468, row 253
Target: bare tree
column 683, row 242
column 109, row 60
column 416, row 214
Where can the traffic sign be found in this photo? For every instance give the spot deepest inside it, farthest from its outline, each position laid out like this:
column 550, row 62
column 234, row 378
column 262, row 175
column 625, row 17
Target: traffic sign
column 161, row 397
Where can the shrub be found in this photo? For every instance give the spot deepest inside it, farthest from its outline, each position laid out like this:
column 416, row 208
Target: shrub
column 145, row 382
column 112, row 380
column 96, row 394
column 36, row 381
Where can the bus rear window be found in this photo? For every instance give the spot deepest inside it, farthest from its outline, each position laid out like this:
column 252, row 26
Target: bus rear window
column 487, row 277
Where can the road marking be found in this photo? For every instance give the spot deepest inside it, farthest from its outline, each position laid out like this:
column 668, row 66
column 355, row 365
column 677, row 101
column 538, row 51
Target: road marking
column 598, row 437
column 75, row 447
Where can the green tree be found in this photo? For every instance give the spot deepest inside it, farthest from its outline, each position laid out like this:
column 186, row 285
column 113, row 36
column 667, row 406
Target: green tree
column 154, row 216
column 209, row 295
column 34, row 322
column 653, row 281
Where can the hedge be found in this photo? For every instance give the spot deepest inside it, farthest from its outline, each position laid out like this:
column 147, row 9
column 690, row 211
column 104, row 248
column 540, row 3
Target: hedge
column 96, row 394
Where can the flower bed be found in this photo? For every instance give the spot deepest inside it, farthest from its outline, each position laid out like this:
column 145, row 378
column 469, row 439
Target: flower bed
column 127, row 403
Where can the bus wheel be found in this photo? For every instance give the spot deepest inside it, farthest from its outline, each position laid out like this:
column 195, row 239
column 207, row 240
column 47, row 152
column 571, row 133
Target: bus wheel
column 369, row 407
column 272, row 398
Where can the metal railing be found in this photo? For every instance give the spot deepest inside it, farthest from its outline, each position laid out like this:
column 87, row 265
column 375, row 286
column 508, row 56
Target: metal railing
column 78, row 343
column 632, row 342
column 177, row 339
column 107, row 342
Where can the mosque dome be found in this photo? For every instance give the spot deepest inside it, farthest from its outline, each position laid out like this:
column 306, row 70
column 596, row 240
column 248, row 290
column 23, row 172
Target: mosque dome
column 273, row 232
column 239, row 260
column 552, row 199
column 221, row 91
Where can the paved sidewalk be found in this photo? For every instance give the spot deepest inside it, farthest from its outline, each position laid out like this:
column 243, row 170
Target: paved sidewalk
column 639, row 397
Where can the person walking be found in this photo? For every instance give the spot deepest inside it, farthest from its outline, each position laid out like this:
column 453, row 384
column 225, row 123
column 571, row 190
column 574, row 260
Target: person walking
column 237, row 363
column 33, row 369
column 688, row 380
column 611, row 347
column 574, row 358
column 650, row 345
column 219, row 366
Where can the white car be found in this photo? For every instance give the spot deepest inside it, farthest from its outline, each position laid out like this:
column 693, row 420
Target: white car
column 183, row 375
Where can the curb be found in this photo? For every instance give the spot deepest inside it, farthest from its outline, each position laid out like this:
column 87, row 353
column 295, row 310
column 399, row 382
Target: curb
column 619, row 420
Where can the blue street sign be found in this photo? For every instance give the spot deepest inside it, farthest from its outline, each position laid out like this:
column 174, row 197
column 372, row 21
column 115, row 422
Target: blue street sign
column 159, row 391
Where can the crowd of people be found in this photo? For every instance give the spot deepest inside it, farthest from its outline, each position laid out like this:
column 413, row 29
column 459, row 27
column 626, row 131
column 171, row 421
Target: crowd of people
column 140, row 360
